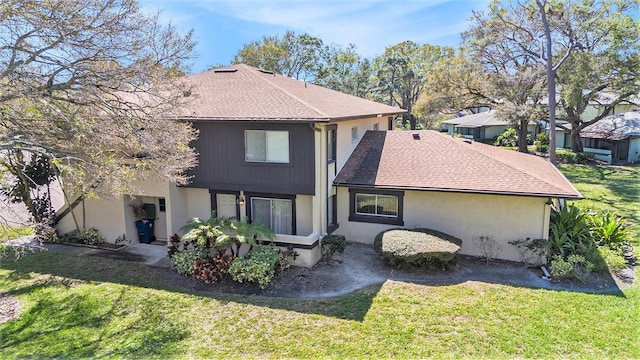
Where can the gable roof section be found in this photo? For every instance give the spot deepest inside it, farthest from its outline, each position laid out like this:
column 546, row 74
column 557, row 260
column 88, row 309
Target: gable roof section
column 486, row 118
column 615, row 127
column 428, row 160
column 242, row 92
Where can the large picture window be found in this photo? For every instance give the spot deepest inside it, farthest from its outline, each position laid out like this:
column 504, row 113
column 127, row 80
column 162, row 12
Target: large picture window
column 267, row 146
column 276, row 214
column 376, row 206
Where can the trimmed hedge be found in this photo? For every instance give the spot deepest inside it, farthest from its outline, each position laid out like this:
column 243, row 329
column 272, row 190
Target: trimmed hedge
column 569, row 157
column 417, row 248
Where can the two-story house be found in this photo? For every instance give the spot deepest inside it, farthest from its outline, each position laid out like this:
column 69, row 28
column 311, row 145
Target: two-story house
column 307, row 161
column 269, row 149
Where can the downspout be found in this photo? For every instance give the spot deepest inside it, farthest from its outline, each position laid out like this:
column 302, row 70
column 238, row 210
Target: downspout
column 546, row 219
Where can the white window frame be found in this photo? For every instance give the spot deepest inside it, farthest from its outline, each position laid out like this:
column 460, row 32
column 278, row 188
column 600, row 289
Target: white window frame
column 354, row 134
column 377, row 196
column 271, row 146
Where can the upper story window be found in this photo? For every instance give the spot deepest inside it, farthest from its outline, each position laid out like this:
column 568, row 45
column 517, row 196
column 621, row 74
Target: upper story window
column 354, row 133
column 331, row 143
column 376, row 126
column 266, row 146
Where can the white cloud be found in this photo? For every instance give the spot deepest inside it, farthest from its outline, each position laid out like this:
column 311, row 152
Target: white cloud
column 371, row 25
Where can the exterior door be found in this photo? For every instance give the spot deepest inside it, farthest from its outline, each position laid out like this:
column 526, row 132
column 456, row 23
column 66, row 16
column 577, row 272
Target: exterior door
column 623, row 150
column 226, row 206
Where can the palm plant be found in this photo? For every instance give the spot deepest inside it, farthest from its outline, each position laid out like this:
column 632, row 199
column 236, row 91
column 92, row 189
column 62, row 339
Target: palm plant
column 204, row 233
column 610, row 230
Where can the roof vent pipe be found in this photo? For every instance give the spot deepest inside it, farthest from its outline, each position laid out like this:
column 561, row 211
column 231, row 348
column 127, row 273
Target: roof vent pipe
column 416, row 136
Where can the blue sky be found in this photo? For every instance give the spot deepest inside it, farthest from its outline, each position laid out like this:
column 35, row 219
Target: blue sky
column 221, row 28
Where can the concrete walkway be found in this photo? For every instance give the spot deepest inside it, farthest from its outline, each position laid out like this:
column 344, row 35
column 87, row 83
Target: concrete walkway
column 149, row 254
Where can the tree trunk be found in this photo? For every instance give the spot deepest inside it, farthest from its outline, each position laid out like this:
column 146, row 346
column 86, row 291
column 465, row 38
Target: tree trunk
column 522, row 136
column 551, row 83
column 412, row 122
column 576, row 142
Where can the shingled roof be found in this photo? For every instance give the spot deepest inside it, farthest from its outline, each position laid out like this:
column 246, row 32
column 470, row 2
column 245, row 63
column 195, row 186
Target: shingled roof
column 615, row 127
column 428, row 160
column 486, row 118
column 242, row 92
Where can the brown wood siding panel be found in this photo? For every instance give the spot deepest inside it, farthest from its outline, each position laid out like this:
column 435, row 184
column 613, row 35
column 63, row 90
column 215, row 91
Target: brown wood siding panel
column 222, row 164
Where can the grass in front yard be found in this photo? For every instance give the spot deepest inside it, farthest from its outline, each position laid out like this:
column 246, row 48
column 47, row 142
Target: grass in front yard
column 608, row 188
column 13, row 232
column 95, row 307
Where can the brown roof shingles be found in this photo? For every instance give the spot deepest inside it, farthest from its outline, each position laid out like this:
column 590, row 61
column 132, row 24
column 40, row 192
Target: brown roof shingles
column 251, row 94
column 442, row 163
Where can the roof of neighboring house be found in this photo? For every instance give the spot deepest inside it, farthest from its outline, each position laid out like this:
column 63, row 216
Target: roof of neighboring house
column 428, row 160
column 614, row 127
column 486, row 118
column 242, row 92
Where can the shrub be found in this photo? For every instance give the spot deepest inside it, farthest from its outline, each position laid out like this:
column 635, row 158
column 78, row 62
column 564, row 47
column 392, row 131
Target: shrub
column 332, row 244
column 507, row 138
column 575, row 266
column 609, row 230
column 542, row 142
column 533, row 252
column 560, row 268
column 85, row 236
column 542, row 139
column 185, row 260
column 45, row 232
column 212, row 269
column 570, row 232
column 488, row 246
column 257, row 266
column 285, row 258
column 419, row 247
column 584, row 158
column 612, row 259
column 174, row 245
column 568, row 156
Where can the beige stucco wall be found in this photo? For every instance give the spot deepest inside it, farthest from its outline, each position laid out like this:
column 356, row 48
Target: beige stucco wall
column 114, row 216
column 345, row 145
column 304, row 211
column 106, row 215
column 506, row 218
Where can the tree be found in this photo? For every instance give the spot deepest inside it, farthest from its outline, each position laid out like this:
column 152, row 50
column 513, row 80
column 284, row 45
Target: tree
column 343, row 69
column 89, row 90
column 291, row 55
column 545, row 32
column 401, row 74
column 455, row 84
column 463, row 82
column 602, row 77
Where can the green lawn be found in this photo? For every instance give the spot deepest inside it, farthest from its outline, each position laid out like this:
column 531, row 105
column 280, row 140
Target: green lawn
column 13, row 232
column 90, row 307
column 612, row 188
column 78, row 307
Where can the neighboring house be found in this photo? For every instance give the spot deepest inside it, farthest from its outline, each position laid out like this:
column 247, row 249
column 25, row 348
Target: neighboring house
column 460, row 187
column 614, row 139
column 269, row 149
column 483, row 126
column 594, row 108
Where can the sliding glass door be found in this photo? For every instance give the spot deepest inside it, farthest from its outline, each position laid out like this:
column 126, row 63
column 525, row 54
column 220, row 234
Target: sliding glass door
column 276, row 214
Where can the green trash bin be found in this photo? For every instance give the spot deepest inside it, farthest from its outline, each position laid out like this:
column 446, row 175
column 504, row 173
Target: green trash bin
column 149, row 210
